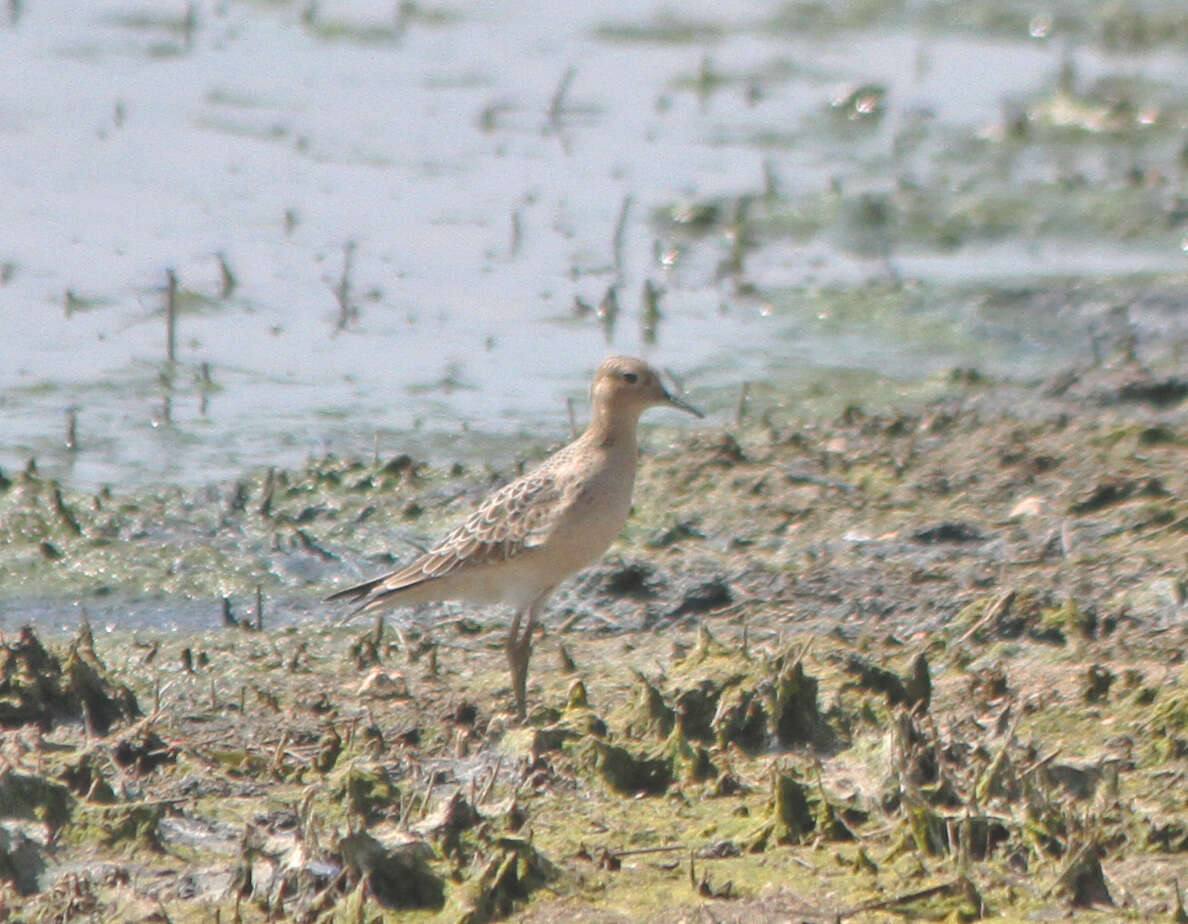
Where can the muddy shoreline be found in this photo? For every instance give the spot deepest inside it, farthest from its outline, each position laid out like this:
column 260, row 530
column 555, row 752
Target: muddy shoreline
column 923, row 663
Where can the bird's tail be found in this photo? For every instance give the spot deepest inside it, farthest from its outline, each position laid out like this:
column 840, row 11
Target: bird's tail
column 358, row 592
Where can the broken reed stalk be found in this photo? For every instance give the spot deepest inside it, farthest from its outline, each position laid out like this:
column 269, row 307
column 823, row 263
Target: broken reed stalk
column 608, row 310
column 649, row 318
column 171, row 316
column 342, row 292
column 517, row 233
column 621, row 234
column 771, row 181
column 71, row 429
column 205, row 384
column 557, row 103
column 740, row 412
column 227, row 279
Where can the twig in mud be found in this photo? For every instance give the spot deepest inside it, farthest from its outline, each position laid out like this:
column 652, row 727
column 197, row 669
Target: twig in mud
column 404, row 646
column 259, row 609
column 146, row 803
column 278, row 756
column 406, row 808
column 804, row 650
column 881, row 903
column 326, row 899
column 308, row 817
column 491, row 782
column 982, row 786
column 1024, row 771
column 639, row 851
column 574, row 618
column 428, row 793
column 606, row 618
column 308, row 543
column 993, row 611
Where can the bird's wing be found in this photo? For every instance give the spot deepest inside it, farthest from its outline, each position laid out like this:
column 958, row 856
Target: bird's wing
column 519, row 516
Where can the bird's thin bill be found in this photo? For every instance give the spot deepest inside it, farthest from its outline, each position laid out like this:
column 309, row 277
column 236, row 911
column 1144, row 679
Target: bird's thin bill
column 684, row 406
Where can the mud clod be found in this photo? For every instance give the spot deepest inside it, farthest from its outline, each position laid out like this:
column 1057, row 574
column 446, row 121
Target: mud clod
column 36, row 687
column 795, row 717
column 630, row 773
column 398, row 876
column 34, row 798
column 510, row 876
column 915, row 690
column 22, row 860
column 1082, row 880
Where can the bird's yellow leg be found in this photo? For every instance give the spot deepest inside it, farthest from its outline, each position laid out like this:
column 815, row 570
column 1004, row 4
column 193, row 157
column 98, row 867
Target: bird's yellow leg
column 519, row 652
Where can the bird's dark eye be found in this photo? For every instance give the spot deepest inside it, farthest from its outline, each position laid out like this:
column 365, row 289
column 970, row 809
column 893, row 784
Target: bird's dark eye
column 630, row 378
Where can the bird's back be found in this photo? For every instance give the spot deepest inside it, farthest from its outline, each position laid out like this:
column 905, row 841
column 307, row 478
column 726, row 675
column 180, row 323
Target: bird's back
column 524, row 538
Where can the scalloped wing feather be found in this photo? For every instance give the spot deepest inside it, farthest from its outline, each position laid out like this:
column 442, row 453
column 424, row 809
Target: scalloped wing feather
column 519, row 516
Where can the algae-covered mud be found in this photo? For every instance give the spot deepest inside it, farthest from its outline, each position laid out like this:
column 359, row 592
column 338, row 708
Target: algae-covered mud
column 916, row 664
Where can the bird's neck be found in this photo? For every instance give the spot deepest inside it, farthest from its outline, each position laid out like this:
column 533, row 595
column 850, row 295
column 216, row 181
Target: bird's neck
column 612, row 432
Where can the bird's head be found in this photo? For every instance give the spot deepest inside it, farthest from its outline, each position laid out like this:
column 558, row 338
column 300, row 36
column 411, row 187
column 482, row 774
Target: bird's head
column 626, row 385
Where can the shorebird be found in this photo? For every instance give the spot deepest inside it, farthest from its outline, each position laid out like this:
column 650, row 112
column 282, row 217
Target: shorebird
column 531, row 534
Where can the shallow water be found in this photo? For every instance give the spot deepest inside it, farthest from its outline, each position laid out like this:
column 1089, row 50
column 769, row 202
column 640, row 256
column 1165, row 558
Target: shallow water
column 478, row 188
